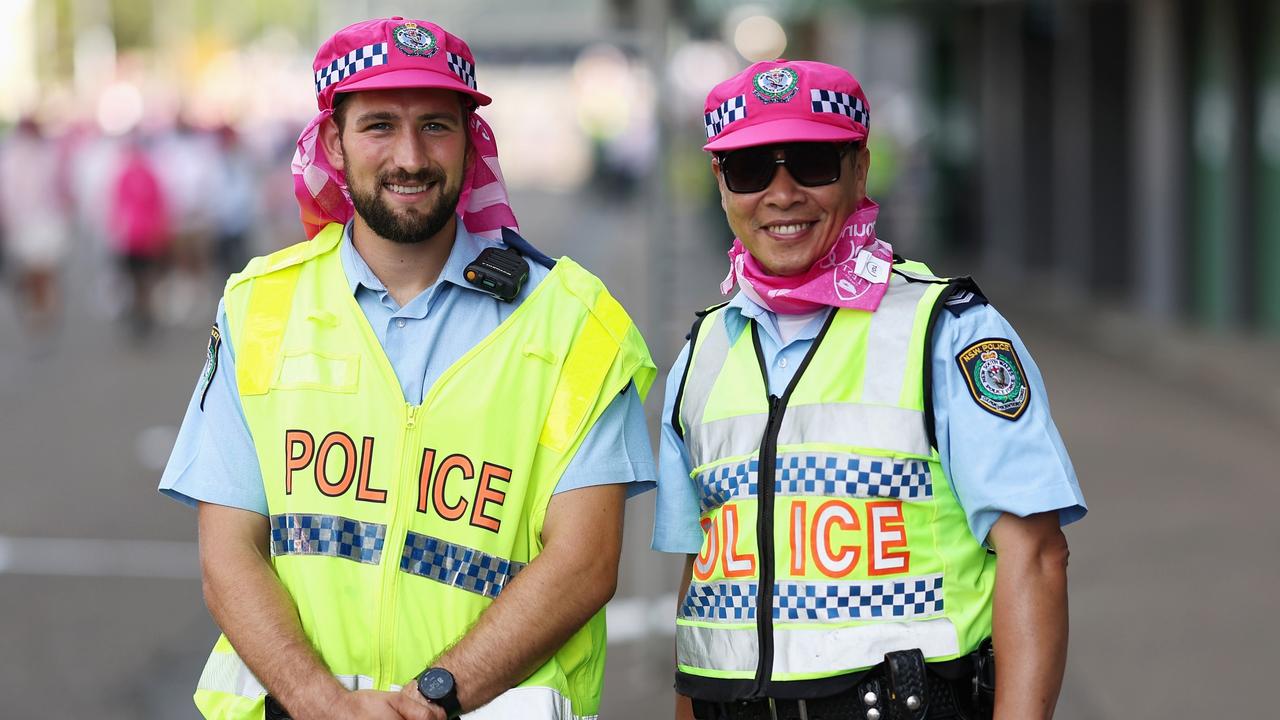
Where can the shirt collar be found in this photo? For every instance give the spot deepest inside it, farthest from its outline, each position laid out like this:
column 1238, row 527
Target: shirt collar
column 741, row 310
column 465, row 249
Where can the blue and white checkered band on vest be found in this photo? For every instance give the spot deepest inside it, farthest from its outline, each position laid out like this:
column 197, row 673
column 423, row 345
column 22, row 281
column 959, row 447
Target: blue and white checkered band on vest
column 353, row 62
column 731, row 110
column 831, row 101
column 463, row 68
column 331, row 535
column 814, row 601
column 818, row 474
column 457, row 565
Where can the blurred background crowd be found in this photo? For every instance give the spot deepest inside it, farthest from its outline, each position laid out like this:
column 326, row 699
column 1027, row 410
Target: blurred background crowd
column 1118, row 150
column 1109, row 171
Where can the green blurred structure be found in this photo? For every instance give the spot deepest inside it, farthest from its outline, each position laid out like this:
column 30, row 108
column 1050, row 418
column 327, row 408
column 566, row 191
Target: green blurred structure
column 1127, row 150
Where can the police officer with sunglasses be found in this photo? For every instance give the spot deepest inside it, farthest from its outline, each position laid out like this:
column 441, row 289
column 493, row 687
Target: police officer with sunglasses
column 857, row 455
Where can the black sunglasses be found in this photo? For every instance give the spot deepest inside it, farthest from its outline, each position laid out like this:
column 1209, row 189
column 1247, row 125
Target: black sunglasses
column 751, row 169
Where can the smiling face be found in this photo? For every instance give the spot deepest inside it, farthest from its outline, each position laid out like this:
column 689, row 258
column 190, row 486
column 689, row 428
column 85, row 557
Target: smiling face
column 787, row 227
column 404, row 153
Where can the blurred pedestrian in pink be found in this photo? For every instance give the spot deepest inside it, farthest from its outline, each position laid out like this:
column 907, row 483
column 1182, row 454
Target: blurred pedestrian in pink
column 33, row 209
column 140, row 230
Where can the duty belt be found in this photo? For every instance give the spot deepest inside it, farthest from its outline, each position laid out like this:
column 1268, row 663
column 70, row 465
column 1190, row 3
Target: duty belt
column 903, row 687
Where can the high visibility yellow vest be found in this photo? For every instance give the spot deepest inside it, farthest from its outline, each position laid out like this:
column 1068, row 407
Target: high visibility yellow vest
column 394, row 526
column 832, row 534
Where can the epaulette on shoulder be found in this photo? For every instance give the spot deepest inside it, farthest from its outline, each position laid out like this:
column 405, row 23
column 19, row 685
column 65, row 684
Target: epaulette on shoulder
column 514, row 241
column 963, row 295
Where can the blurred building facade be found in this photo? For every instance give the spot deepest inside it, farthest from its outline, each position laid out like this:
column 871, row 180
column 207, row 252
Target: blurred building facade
column 1127, row 150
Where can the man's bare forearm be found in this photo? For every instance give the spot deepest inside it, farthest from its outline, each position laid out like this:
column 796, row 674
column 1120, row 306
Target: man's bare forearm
column 554, row 596
column 1030, row 615
column 248, row 602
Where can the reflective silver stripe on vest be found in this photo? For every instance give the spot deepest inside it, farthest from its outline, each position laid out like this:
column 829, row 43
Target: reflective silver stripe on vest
column 727, row 649
column 891, row 429
column 711, row 353
column 457, row 565
column 874, row 422
column 821, row 652
column 860, row 646
column 528, row 703
column 331, row 535
column 819, row 474
column 815, row 601
column 227, row 673
column 888, row 338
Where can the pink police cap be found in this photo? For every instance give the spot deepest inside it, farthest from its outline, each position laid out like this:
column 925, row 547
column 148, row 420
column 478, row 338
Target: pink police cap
column 786, row 101
column 389, row 53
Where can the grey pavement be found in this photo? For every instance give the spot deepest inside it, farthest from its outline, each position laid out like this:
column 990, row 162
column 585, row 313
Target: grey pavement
column 1173, row 577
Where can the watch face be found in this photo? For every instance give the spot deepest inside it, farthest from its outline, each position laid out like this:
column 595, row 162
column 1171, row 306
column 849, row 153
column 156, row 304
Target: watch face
column 436, row 684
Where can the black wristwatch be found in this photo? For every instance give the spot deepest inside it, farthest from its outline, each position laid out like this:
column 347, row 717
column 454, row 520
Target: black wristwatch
column 437, row 686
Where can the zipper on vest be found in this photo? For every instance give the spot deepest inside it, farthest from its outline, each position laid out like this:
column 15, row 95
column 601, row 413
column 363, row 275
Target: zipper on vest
column 764, row 541
column 385, row 657
column 765, row 479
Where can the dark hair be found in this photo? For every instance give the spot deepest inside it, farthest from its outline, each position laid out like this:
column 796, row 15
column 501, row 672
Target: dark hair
column 340, row 110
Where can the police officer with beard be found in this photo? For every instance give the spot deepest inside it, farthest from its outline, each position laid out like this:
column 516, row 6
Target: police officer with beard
column 414, row 434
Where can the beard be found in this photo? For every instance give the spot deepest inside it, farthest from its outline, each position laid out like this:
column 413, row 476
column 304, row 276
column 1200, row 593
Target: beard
column 409, row 225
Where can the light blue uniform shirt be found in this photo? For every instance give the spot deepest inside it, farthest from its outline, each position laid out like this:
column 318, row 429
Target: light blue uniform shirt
column 995, row 465
column 214, row 459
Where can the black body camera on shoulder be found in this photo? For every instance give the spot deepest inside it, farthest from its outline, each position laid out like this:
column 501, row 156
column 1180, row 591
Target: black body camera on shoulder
column 500, row 272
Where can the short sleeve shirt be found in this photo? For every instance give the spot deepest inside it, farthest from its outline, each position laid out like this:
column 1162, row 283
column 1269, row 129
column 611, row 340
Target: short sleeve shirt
column 214, row 459
column 996, row 465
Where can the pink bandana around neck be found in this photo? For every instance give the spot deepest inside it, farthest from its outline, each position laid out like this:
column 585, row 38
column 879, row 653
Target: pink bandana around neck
column 855, row 274
column 323, row 197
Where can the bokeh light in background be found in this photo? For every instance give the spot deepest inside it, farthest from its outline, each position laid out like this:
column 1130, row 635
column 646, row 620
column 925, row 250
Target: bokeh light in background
column 696, row 67
column 759, row 37
column 119, row 108
column 17, row 57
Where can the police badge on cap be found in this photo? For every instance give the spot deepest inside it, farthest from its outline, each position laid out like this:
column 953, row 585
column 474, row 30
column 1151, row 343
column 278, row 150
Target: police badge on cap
column 413, row 39
column 776, row 85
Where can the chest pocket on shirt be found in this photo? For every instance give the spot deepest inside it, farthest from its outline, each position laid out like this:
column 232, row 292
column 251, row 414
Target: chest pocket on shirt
column 311, row 370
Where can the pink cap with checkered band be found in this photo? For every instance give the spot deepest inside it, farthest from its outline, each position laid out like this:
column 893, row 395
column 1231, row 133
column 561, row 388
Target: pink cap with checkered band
column 780, row 101
column 389, row 53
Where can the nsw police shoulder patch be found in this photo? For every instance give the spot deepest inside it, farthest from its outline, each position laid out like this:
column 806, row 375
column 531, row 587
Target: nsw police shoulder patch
column 210, row 362
column 995, row 377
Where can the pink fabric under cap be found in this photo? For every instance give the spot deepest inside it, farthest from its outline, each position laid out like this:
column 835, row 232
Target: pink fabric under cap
column 391, row 53
column 786, row 101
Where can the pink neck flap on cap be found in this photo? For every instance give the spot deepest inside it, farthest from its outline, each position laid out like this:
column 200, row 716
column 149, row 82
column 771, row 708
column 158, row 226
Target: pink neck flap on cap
column 397, row 53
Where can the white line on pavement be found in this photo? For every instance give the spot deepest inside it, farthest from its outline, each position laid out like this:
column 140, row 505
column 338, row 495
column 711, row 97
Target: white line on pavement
column 98, row 558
